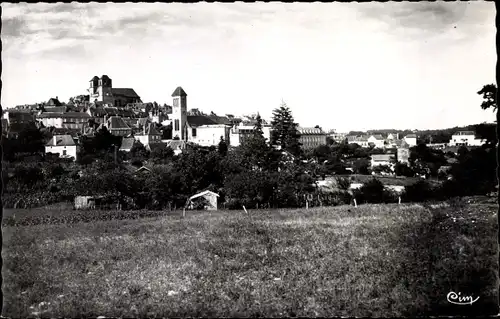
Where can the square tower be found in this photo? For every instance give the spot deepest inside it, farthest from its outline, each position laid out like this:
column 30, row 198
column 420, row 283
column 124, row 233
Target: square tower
column 179, row 113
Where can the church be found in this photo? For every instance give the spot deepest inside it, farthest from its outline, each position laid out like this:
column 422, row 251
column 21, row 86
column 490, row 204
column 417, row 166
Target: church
column 101, row 91
column 204, row 130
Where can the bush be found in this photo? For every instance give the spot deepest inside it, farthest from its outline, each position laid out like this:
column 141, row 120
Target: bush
column 373, row 191
column 420, row 191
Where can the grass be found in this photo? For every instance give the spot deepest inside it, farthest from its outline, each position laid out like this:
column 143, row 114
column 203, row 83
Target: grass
column 375, row 260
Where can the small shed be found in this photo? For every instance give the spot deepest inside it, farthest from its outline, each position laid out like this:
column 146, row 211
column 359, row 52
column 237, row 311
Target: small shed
column 86, row 202
column 206, row 199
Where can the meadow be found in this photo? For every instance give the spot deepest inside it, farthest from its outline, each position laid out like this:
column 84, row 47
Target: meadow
column 373, row 260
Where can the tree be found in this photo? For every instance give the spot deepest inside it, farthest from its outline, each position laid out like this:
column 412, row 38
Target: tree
column 162, row 154
column 284, row 134
column 361, row 166
column 489, row 93
column 256, row 152
column 222, row 147
column 139, row 151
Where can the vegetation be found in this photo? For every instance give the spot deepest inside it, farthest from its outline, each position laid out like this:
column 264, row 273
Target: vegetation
column 373, row 261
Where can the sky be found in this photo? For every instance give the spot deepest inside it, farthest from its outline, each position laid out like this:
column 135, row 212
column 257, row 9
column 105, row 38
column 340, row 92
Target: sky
column 342, row 66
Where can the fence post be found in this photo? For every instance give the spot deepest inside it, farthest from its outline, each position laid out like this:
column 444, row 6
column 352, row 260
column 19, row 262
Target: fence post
column 355, row 204
column 307, row 204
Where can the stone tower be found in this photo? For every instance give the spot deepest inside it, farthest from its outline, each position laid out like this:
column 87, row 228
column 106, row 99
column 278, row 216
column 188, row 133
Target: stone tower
column 179, row 114
column 105, row 89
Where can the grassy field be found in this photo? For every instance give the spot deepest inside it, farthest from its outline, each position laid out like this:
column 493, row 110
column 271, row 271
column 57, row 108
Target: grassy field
column 374, row 260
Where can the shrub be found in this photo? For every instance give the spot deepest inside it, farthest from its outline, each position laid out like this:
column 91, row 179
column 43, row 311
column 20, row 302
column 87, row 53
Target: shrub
column 420, row 191
column 373, row 191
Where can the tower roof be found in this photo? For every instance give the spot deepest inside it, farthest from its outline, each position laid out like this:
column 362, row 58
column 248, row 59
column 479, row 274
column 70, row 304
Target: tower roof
column 95, row 78
column 105, row 77
column 179, row 92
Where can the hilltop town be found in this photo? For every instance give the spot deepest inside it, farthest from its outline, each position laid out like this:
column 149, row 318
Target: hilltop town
column 122, row 112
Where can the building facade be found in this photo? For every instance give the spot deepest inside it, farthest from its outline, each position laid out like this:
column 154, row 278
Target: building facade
column 64, row 145
column 101, row 90
column 311, row 138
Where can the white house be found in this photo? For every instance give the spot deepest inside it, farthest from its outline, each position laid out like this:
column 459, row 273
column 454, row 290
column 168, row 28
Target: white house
column 465, row 138
column 208, row 134
column 381, row 159
column 411, row 140
column 64, row 145
column 376, row 140
column 240, row 132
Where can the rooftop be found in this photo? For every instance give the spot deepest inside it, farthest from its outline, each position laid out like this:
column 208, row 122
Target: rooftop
column 61, row 140
column 179, row 92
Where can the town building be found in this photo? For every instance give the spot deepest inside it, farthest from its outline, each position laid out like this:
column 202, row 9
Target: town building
column 205, row 130
column 465, row 138
column 311, row 138
column 411, row 139
column 101, row 90
column 18, row 116
column 69, row 120
column 149, row 135
column 64, row 145
column 117, row 126
column 242, row 131
column 337, row 137
column 382, row 159
column 376, row 140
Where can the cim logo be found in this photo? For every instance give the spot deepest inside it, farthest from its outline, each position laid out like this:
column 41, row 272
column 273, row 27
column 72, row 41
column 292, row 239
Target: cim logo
column 458, row 299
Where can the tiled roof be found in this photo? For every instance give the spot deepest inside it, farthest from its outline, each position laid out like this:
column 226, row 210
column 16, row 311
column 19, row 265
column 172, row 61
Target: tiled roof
column 378, row 136
column 64, row 115
column 54, row 102
column 58, row 109
column 127, row 143
column 124, row 92
column 220, row 119
column 61, row 140
column 310, row 131
column 179, row 92
column 198, row 120
column 116, row 122
column 149, row 129
column 411, row 136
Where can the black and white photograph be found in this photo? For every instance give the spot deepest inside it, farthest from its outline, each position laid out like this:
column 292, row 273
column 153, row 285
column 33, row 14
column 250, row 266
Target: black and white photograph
column 249, row 159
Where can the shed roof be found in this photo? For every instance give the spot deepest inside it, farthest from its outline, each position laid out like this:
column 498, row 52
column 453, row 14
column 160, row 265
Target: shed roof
column 207, row 192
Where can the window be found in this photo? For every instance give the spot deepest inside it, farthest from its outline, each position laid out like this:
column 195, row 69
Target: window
column 193, row 132
column 176, row 128
column 64, row 152
column 176, row 102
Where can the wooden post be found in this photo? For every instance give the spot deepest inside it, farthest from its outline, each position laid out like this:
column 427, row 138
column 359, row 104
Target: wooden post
column 355, row 204
column 399, row 200
column 245, row 209
column 307, row 204
column 184, row 212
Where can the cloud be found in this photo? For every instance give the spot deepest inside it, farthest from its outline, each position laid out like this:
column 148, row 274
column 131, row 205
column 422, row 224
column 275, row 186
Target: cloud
column 426, row 20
